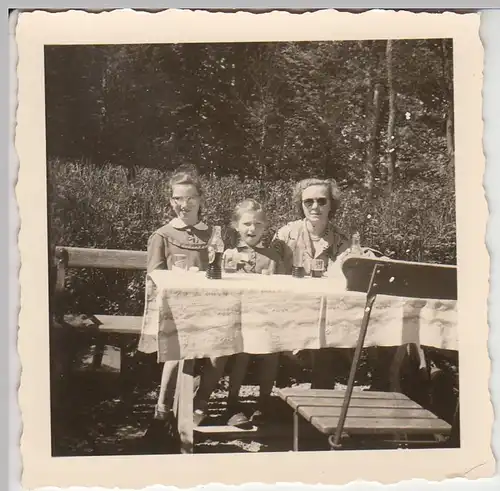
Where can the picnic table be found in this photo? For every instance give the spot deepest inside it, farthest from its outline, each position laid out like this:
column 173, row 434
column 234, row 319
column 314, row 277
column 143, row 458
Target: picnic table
column 188, row 316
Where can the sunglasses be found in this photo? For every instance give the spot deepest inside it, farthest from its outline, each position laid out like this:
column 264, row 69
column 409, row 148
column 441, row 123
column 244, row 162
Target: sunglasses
column 310, row 201
column 188, row 200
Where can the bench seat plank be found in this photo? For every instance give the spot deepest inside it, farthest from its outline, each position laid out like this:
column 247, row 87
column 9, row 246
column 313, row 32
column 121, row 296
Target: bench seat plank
column 121, row 324
column 271, row 430
column 226, row 430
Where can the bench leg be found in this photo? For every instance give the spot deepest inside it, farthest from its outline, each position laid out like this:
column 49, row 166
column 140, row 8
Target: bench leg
column 184, row 405
column 126, row 388
column 295, row 431
column 454, row 439
column 100, row 345
column 70, row 356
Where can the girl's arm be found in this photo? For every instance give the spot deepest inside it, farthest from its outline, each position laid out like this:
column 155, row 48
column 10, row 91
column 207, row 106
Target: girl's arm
column 157, row 258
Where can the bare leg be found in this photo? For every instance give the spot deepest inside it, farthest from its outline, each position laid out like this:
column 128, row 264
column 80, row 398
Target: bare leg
column 211, row 374
column 322, row 369
column 237, row 377
column 167, row 389
column 268, row 372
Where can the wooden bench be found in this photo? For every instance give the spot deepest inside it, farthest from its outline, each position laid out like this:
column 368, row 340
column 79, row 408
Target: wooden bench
column 113, row 329
column 117, row 330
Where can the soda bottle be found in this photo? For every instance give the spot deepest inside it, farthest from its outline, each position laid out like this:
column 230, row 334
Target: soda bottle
column 298, row 270
column 356, row 245
column 215, row 252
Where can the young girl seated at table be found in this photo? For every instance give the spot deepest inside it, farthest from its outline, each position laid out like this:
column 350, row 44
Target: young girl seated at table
column 188, row 235
column 250, row 222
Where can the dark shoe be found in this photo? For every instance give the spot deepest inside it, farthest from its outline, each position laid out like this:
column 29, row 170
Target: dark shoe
column 258, row 417
column 162, row 437
column 236, row 417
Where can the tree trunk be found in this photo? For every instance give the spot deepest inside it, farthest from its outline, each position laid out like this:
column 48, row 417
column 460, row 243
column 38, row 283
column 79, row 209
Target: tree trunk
column 391, row 147
column 371, row 153
column 262, row 160
column 448, row 90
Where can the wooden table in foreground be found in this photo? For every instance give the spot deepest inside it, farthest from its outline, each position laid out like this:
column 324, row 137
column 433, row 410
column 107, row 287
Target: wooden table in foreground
column 188, row 316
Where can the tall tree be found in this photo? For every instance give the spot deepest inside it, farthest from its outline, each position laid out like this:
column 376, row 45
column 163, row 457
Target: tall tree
column 448, row 91
column 390, row 147
column 373, row 124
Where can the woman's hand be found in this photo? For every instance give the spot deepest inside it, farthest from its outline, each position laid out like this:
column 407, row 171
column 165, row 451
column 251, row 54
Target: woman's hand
column 366, row 252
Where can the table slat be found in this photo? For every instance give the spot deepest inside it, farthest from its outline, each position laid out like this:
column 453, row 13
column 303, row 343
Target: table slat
column 338, row 394
column 310, row 412
column 296, row 402
column 328, row 424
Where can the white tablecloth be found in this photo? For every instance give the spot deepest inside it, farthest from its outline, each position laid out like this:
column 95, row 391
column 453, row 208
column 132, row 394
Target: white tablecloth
column 190, row 316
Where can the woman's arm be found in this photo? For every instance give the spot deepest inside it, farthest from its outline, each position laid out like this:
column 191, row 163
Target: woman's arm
column 157, row 258
column 285, row 254
column 344, row 244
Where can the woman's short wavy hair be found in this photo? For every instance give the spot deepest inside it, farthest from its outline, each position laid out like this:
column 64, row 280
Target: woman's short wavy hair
column 185, row 175
column 330, row 184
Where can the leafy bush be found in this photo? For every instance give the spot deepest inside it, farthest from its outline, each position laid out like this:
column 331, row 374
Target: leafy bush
column 97, row 207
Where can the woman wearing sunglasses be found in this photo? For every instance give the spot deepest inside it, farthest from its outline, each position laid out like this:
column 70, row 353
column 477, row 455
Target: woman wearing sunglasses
column 314, row 237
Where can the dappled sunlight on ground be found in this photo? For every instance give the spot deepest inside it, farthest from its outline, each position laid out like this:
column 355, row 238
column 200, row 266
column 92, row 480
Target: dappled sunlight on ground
column 91, row 416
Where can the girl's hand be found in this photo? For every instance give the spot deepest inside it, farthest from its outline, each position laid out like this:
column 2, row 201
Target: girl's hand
column 242, row 257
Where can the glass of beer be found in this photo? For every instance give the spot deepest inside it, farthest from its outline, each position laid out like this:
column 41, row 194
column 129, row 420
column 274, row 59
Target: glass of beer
column 230, row 262
column 317, row 268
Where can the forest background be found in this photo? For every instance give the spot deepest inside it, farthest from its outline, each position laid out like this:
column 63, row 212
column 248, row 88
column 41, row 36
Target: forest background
column 253, row 118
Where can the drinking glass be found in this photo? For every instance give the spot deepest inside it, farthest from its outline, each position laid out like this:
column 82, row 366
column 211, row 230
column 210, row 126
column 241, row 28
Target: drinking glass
column 179, row 262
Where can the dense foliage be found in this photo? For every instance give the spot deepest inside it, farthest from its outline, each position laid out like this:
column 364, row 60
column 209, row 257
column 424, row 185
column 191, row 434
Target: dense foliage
column 253, row 118
column 96, row 207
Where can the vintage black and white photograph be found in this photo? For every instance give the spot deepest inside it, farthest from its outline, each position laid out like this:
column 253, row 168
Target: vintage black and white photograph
column 302, row 155
column 252, row 247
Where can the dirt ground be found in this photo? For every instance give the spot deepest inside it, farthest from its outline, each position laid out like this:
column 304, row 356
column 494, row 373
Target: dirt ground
column 92, row 415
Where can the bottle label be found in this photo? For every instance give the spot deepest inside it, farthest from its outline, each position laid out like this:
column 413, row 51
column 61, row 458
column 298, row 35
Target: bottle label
column 211, row 254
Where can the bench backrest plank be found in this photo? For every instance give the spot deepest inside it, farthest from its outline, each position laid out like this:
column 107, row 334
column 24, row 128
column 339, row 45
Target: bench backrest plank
column 78, row 257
